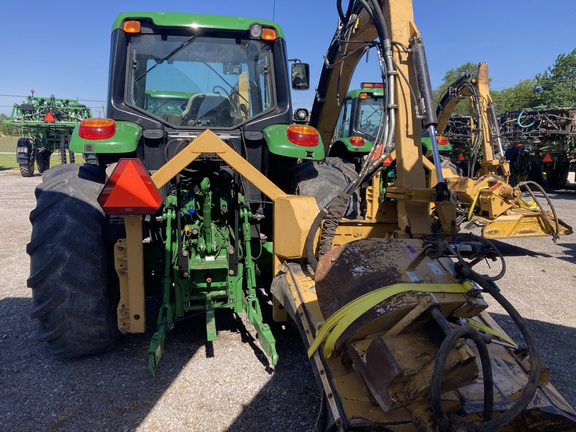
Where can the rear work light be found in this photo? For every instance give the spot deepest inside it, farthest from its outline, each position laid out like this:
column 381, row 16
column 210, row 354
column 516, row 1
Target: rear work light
column 305, row 136
column 97, row 128
column 265, row 33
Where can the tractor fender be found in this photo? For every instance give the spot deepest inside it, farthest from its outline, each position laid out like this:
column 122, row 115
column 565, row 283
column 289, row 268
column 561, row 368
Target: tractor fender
column 276, row 137
column 125, row 140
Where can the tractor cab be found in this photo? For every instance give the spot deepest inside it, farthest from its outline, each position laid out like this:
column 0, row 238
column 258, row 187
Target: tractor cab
column 173, row 76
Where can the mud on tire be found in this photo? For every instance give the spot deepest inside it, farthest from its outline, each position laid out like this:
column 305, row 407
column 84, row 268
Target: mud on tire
column 68, row 270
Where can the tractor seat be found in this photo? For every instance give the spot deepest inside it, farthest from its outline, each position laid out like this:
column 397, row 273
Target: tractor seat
column 207, row 109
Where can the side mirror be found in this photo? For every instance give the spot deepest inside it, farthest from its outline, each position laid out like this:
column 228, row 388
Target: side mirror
column 300, row 76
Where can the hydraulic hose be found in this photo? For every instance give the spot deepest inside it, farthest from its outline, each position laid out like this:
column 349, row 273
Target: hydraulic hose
column 443, row 419
column 334, row 211
column 310, row 252
column 520, row 123
column 331, row 216
column 533, row 377
column 526, row 184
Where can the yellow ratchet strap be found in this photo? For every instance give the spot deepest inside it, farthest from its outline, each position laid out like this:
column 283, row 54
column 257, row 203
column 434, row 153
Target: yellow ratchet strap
column 334, row 326
column 482, row 327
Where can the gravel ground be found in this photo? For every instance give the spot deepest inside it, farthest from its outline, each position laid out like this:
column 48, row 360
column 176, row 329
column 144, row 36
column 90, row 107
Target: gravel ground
column 235, row 389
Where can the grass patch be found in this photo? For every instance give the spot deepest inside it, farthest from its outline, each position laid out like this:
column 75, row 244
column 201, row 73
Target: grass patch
column 8, row 161
column 8, row 144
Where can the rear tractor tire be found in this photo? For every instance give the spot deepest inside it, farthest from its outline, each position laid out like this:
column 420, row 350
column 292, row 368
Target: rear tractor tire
column 323, row 180
column 72, row 302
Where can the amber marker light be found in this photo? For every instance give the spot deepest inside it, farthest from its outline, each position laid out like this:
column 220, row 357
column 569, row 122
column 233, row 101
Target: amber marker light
column 131, row 26
column 305, row 136
column 269, row 34
column 97, row 128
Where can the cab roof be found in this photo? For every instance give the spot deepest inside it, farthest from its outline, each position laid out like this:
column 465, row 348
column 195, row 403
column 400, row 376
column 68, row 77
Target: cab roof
column 352, row 94
column 173, row 19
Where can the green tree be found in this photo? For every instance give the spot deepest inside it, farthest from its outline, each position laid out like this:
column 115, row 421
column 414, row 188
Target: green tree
column 525, row 94
column 558, row 83
column 5, row 127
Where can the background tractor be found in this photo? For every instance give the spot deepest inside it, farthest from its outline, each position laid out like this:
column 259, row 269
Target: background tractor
column 46, row 125
column 544, row 143
column 189, row 202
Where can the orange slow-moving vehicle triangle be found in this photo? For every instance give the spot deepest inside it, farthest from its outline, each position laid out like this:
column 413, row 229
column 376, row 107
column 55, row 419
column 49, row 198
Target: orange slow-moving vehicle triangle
column 130, row 190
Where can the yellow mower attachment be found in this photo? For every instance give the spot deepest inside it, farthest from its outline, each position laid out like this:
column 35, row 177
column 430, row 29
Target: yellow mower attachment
column 506, row 211
column 401, row 341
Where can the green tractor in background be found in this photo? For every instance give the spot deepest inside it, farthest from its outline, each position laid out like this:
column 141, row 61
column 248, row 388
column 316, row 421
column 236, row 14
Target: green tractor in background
column 46, row 125
column 360, row 120
column 542, row 143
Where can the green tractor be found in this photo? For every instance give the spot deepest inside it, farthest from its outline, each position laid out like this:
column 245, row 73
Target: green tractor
column 186, row 93
column 360, row 120
column 46, row 125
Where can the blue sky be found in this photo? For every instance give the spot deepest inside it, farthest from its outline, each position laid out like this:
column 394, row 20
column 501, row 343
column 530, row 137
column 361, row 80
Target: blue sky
column 61, row 47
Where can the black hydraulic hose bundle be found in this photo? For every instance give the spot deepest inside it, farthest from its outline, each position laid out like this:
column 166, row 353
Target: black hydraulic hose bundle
column 331, row 217
column 333, row 212
column 452, row 92
column 445, row 421
column 526, row 185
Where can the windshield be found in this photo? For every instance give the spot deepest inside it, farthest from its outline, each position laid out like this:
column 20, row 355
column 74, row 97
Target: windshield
column 200, row 81
column 369, row 116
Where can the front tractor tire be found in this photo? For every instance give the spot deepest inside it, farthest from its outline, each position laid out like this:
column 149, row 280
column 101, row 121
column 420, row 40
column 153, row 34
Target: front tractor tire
column 25, row 157
column 72, row 302
column 43, row 160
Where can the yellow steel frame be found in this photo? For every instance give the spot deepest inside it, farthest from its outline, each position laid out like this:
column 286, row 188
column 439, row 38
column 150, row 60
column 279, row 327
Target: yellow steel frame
column 129, row 260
